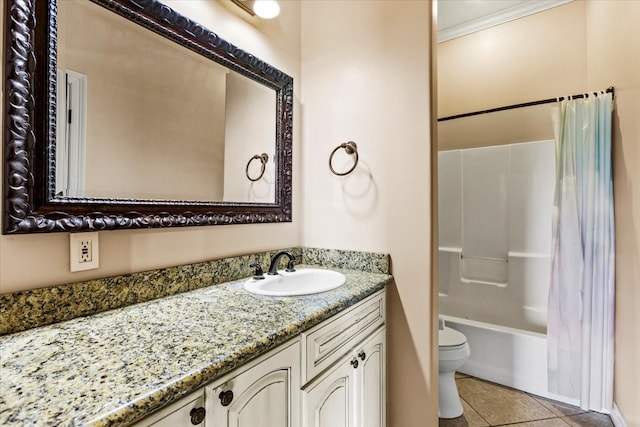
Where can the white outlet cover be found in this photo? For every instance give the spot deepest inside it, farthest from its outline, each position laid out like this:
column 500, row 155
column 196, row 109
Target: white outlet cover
column 75, row 245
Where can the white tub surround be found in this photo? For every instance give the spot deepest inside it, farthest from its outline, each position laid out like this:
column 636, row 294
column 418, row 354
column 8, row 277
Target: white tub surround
column 495, row 206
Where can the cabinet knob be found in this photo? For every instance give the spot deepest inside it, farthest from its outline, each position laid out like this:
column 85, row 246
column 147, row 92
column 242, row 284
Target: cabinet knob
column 197, row 415
column 362, row 355
column 226, row 397
column 354, row 363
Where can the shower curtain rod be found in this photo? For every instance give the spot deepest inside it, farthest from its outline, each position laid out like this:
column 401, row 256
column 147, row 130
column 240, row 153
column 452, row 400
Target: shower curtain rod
column 526, row 104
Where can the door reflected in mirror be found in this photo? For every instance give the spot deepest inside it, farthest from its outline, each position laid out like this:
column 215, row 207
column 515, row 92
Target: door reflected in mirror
column 141, row 117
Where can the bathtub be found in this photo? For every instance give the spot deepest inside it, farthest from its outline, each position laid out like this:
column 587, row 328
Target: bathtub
column 512, row 357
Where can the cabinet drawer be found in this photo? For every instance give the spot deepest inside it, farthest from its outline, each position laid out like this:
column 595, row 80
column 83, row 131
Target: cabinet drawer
column 329, row 341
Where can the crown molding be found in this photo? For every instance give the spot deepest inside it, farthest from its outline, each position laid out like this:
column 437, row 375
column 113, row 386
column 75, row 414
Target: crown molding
column 505, row 15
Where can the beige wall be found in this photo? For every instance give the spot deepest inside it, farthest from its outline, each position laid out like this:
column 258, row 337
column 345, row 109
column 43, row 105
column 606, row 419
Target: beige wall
column 545, row 52
column 581, row 46
column 366, row 78
column 613, row 41
column 503, row 127
column 32, row 261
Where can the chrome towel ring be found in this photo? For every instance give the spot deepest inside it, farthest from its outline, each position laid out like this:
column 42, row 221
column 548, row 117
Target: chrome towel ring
column 350, row 148
column 264, row 158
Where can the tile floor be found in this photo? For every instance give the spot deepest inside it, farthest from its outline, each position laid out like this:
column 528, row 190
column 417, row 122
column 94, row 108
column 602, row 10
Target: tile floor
column 488, row 404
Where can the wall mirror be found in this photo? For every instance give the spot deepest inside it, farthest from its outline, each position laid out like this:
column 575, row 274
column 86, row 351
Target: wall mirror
column 126, row 114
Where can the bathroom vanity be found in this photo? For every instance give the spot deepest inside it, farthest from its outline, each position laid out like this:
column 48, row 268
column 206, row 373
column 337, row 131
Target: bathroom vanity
column 332, row 375
column 210, row 356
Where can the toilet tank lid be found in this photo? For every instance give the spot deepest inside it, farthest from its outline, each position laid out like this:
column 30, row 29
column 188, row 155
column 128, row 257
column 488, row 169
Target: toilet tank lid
column 448, row 337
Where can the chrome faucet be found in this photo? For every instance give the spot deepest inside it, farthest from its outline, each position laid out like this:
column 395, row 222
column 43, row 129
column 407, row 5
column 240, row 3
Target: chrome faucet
column 273, row 268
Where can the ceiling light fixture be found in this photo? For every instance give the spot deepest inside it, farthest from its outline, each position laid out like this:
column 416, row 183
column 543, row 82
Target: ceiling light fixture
column 266, row 9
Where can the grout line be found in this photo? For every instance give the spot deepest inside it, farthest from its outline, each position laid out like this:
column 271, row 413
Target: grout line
column 475, row 410
column 466, row 378
column 527, row 421
column 547, row 401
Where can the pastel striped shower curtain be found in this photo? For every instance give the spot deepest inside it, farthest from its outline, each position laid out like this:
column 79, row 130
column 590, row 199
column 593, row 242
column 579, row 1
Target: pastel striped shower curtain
column 581, row 296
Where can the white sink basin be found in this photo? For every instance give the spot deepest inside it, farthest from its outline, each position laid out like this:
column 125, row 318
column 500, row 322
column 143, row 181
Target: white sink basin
column 300, row 282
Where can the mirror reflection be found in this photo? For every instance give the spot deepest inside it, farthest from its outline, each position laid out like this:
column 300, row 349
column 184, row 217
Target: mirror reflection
column 140, row 117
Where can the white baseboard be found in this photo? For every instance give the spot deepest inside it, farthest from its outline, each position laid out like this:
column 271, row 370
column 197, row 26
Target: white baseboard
column 616, row 416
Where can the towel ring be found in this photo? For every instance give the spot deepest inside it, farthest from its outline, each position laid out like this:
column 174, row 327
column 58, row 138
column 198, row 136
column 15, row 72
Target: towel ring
column 350, row 148
column 264, row 158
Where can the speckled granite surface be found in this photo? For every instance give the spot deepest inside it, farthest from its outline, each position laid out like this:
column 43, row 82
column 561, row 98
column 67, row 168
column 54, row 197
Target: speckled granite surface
column 29, row 309
column 114, row 367
column 337, row 258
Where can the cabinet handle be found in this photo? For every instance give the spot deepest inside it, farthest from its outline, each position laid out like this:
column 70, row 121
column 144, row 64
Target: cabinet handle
column 354, row 363
column 362, row 355
column 226, row 397
column 197, row 415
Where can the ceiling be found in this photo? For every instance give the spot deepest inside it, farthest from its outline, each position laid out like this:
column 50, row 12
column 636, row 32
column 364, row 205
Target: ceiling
column 457, row 18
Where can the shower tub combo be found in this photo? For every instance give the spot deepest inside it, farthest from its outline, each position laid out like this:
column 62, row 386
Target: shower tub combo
column 495, row 210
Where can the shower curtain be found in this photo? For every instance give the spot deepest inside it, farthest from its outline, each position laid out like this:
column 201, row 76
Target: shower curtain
column 581, row 295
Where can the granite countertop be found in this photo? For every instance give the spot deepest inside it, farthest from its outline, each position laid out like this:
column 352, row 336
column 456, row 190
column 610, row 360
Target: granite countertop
column 115, row 367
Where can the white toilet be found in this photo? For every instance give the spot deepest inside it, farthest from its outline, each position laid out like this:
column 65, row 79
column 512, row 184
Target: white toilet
column 453, row 353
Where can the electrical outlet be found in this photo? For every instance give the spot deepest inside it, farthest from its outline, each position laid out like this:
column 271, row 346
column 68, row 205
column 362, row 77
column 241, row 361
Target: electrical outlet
column 83, row 251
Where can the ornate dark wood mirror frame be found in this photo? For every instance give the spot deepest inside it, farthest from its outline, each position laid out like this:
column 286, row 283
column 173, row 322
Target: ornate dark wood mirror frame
column 30, row 202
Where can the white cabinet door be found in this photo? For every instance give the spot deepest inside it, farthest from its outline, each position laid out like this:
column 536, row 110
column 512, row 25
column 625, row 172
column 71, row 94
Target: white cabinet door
column 370, row 381
column 329, row 401
column 187, row 412
column 265, row 395
column 352, row 392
